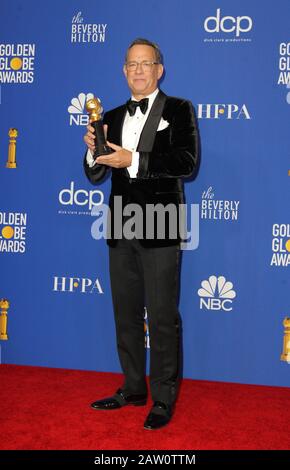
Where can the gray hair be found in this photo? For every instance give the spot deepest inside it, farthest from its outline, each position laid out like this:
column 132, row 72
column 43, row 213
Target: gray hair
column 146, row 42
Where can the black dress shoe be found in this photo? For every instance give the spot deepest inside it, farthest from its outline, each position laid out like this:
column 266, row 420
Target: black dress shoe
column 159, row 416
column 119, row 400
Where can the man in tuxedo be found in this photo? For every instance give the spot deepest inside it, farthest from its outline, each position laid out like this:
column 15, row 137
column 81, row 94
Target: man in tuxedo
column 154, row 140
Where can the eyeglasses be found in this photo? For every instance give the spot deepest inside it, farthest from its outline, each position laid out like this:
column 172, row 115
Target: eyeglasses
column 146, row 65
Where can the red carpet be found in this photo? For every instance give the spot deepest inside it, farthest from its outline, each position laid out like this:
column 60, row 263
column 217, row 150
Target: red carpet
column 45, row 408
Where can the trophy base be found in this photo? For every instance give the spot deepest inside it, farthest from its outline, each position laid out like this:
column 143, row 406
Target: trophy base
column 3, row 337
column 11, row 165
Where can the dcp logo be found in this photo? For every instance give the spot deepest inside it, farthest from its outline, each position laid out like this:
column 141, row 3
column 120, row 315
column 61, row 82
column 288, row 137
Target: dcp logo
column 81, row 197
column 228, row 24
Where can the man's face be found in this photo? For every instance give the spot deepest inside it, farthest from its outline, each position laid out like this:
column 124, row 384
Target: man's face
column 142, row 81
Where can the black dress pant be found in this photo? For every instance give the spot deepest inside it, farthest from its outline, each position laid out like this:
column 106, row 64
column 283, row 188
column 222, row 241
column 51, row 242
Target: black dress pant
column 147, row 276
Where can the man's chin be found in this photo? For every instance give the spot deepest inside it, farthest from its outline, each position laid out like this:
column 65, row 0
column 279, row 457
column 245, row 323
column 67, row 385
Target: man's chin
column 139, row 85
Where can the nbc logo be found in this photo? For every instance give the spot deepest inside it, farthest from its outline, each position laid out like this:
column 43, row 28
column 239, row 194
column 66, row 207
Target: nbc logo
column 77, row 112
column 216, row 294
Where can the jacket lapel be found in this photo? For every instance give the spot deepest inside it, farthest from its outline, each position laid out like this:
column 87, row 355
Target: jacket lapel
column 149, row 130
column 116, row 127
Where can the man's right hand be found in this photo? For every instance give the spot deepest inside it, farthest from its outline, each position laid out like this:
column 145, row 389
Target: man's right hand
column 89, row 137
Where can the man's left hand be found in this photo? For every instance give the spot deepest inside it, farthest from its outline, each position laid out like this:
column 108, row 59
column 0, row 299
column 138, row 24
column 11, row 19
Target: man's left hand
column 121, row 158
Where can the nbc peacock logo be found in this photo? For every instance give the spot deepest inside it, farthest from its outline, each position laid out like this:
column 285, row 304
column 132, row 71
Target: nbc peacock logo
column 77, row 112
column 216, row 293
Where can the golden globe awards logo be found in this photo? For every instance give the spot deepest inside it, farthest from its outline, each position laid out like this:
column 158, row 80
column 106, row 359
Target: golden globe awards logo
column 284, row 64
column 280, row 245
column 87, row 32
column 17, row 63
column 12, row 232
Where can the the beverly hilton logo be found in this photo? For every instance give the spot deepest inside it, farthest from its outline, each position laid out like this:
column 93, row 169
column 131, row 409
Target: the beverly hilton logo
column 17, row 63
column 13, row 232
column 82, row 32
column 77, row 113
column 218, row 209
column 216, row 294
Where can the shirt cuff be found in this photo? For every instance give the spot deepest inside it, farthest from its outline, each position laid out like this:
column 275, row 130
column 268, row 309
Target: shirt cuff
column 133, row 168
column 90, row 160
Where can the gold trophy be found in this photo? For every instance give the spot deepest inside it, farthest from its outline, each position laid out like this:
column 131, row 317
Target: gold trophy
column 4, row 305
column 94, row 108
column 285, row 356
column 11, row 163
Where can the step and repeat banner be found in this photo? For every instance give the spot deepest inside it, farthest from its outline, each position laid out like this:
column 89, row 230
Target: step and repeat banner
column 232, row 60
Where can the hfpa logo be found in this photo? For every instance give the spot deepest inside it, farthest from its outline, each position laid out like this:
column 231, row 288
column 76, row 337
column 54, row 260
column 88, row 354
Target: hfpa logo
column 222, row 111
column 77, row 284
column 216, row 294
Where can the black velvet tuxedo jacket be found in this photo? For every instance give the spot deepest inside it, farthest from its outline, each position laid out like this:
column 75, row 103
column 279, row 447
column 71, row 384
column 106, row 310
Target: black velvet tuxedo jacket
column 166, row 156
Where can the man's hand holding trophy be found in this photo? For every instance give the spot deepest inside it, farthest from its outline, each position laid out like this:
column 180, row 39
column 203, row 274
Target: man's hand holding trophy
column 103, row 152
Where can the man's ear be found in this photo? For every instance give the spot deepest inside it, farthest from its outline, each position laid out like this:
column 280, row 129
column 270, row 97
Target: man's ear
column 125, row 70
column 160, row 71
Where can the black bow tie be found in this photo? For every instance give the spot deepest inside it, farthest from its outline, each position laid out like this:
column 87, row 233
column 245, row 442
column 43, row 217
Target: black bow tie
column 133, row 105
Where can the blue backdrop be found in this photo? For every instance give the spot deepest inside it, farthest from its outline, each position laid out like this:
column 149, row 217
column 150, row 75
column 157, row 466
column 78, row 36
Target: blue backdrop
column 232, row 60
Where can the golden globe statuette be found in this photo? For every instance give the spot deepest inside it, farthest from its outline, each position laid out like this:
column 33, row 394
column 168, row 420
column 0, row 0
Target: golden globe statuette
column 11, row 163
column 285, row 356
column 94, row 108
column 4, row 305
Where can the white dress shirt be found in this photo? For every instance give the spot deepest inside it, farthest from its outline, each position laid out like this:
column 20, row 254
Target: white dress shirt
column 132, row 128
